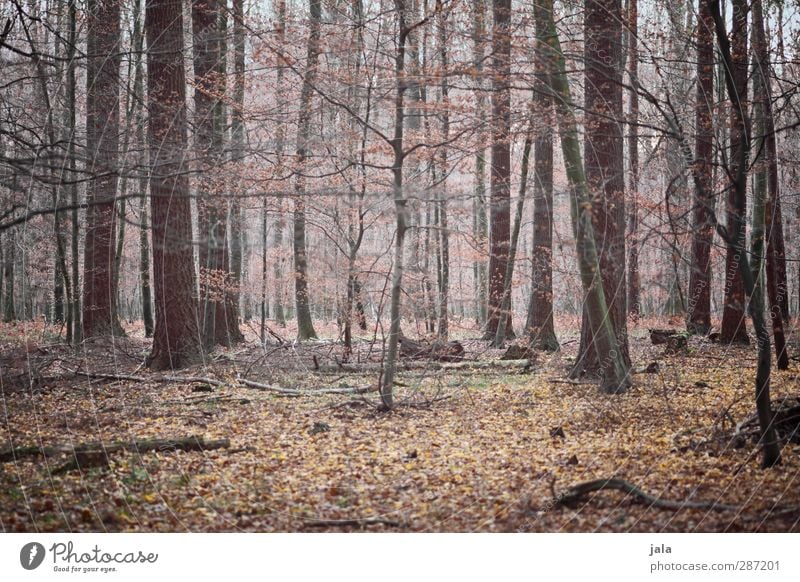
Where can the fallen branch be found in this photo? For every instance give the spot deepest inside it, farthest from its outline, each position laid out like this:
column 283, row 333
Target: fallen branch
column 578, row 492
column 89, row 451
column 427, row 365
column 352, row 522
column 295, row 392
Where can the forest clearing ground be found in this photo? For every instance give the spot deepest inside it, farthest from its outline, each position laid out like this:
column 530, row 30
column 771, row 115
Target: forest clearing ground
column 465, row 451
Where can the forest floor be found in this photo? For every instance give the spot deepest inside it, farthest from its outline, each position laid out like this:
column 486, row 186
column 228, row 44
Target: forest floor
column 464, row 450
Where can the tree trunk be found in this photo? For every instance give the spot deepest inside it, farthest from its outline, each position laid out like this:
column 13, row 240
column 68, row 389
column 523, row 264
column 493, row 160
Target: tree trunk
column 634, row 283
column 75, row 308
column 280, row 220
column 615, row 377
column 444, row 235
column 102, row 142
column 605, row 177
column 177, row 341
column 699, row 304
column 735, row 235
column 500, row 198
column 305, row 327
column 734, row 324
column 777, row 289
column 539, row 325
column 480, row 226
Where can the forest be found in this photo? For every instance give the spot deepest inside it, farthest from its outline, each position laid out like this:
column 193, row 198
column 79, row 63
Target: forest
column 399, row 265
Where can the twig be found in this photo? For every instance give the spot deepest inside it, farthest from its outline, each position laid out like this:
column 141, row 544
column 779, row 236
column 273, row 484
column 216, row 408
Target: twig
column 352, row 522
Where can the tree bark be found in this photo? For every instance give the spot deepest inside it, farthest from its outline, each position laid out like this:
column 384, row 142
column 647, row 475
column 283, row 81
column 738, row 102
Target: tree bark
column 500, row 197
column 699, row 304
column 305, row 326
column 176, row 339
column 480, row 225
column 777, row 289
column 734, row 324
column 615, row 370
column 634, row 282
column 102, row 142
column 605, row 176
column 539, row 325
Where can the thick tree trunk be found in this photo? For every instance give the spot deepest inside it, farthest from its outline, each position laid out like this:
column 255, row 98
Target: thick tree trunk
column 177, row 340
column 615, row 376
column 305, row 327
column 500, row 197
column 699, row 303
column 539, row 325
column 605, row 177
column 102, row 142
column 734, row 324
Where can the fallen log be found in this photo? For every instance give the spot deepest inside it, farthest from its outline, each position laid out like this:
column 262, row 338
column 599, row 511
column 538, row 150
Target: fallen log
column 91, row 450
column 463, row 365
column 578, row 492
column 437, row 350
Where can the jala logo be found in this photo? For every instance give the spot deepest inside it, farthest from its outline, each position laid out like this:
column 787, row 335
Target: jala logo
column 31, row 555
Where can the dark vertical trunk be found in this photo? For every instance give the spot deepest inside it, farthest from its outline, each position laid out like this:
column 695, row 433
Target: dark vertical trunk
column 735, row 235
column 102, row 143
column 699, row 303
column 605, row 177
column 305, row 327
column 7, row 262
column 211, row 207
column 734, row 324
column 75, row 308
column 500, row 197
column 540, row 311
column 614, row 372
column 177, row 340
column 634, row 283
column 777, row 290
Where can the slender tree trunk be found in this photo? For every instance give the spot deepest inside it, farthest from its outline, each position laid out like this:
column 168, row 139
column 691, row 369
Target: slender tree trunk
column 603, row 146
column 387, row 381
column 615, row 377
column 177, row 340
column 75, row 308
column 280, row 220
column 539, row 325
column 8, row 261
column 634, row 283
column 444, row 234
column 102, row 142
column 699, row 304
column 500, row 199
column 734, row 324
column 480, row 225
column 305, row 327
column 735, row 236
column 777, row 290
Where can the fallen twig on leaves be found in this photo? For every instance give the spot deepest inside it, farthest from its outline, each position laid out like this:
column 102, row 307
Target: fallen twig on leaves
column 352, row 522
column 578, row 492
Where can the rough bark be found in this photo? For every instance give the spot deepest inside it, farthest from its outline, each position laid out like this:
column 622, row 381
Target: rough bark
column 699, row 303
column 634, row 283
column 734, row 324
column 539, row 324
column 605, row 178
column 102, row 144
column 500, row 196
column 176, row 339
column 615, row 369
